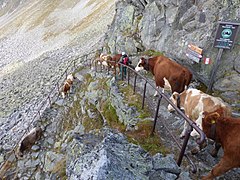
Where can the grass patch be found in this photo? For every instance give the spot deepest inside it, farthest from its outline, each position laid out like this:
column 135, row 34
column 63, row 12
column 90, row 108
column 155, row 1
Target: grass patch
column 92, row 123
column 152, row 52
column 143, row 137
column 134, row 100
column 60, row 169
column 110, row 114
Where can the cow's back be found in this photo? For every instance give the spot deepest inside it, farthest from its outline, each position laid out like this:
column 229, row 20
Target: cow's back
column 197, row 102
column 177, row 75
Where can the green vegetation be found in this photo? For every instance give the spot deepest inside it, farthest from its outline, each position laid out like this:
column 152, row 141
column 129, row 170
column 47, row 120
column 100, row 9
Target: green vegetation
column 111, row 117
column 134, row 100
column 60, row 169
column 152, row 52
column 92, row 123
column 143, row 137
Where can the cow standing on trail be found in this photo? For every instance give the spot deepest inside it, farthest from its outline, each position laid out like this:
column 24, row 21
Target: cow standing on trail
column 223, row 129
column 168, row 74
column 194, row 102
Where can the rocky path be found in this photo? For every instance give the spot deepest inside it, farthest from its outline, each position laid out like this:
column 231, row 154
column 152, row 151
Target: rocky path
column 172, row 124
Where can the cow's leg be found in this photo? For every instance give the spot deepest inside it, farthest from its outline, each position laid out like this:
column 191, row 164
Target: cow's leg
column 185, row 126
column 63, row 95
column 223, row 166
column 156, row 92
column 215, row 150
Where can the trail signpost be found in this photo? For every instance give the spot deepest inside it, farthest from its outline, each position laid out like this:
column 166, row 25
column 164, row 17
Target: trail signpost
column 194, row 53
column 224, row 39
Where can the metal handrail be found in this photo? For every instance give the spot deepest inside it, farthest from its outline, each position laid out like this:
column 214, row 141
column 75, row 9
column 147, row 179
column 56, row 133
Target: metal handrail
column 162, row 95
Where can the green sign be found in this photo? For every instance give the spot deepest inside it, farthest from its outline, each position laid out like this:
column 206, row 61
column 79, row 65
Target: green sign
column 226, row 35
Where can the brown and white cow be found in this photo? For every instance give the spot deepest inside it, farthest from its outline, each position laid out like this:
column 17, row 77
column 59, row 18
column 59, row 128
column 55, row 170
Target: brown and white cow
column 194, row 102
column 105, row 59
column 168, row 74
column 65, row 89
column 223, row 129
column 29, row 140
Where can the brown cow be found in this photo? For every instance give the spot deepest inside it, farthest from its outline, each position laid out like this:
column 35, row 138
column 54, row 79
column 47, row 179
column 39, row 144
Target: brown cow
column 167, row 73
column 223, row 129
column 29, row 140
column 65, row 89
column 114, row 62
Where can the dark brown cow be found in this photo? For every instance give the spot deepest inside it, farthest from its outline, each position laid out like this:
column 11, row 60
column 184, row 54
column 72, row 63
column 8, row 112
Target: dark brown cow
column 224, row 130
column 167, row 73
column 29, row 140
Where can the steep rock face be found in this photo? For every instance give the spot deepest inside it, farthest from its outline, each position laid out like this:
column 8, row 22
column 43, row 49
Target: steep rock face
column 169, row 26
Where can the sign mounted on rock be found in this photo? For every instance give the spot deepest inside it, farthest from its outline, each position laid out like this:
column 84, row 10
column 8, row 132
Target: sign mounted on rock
column 224, row 39
column 194, row 53
column 226, row 35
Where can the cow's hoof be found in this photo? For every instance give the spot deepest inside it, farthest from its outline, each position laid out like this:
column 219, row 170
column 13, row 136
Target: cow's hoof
column 213, row 153
column 195, row 150
column 182, row 135
column 203, row 145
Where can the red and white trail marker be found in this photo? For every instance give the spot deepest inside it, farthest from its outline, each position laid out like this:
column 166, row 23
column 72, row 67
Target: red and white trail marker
column 207, row 61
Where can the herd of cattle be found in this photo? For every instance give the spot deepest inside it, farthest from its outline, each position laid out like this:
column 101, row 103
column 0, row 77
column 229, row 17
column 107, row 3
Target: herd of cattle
column 210, row 113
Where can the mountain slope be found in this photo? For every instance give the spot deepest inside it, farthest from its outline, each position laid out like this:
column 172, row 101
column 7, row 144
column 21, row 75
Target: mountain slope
column 38, row 38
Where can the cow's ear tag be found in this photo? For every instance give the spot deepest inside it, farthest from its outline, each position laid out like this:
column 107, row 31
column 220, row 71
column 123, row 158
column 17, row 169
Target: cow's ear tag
column 213, row 121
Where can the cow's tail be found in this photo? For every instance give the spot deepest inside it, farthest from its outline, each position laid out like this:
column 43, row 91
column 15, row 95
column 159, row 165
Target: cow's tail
column 187, row 79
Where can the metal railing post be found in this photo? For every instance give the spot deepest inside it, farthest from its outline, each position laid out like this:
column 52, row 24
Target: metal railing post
column 187, row 135
column 135, row 81
column 156, row 115
column 144, row 94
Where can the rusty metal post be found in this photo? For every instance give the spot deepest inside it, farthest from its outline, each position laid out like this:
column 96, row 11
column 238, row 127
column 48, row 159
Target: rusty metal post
column 187, row 135
column 39, row 114
column 66, row 74
column 156, row 115
column 74, row 63
column 121, row 67
column 49, row 99
column 115, row 71
column 144, row 94
column 135, row 81
column 108, row 69
column 128, row 75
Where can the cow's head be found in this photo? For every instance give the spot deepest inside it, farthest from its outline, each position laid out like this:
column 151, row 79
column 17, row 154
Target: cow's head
column 175, row 98
column 142, row 65
column 209, row 119
column 70, row 77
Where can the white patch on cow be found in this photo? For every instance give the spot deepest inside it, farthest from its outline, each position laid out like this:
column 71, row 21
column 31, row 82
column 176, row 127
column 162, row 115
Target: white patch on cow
column 198, row 123
column 167, row 85
column 185, row 127
column 156, row 92
column 170, row 108
column 104, row 63
column 195, row 92
column 70, row 76
column 137, row 68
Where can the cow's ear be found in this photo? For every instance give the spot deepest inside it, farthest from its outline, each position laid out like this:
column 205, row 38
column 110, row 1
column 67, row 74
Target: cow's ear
column 212, row 117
